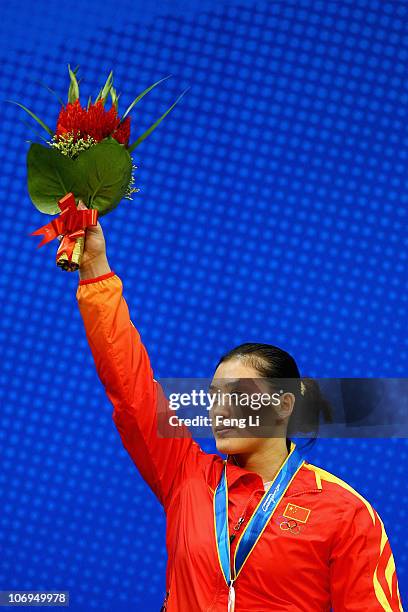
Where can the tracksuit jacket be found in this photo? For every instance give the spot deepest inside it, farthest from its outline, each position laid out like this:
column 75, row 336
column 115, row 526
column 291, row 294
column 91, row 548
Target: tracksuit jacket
column 325, row 546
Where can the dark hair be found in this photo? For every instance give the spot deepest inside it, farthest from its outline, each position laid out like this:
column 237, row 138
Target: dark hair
column 273, row 362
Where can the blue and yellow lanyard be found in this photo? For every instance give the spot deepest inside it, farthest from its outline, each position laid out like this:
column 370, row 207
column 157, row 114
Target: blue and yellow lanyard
column 256, row 524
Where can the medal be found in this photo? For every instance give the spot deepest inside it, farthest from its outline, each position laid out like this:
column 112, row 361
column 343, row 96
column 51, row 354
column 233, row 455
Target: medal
column 256, row 524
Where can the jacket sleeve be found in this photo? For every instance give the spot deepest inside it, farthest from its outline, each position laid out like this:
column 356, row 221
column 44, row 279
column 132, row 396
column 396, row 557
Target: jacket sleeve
column 139, row 403
column 362, row 567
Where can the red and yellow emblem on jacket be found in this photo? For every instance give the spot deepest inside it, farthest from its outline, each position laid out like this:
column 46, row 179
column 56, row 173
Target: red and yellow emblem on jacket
column 296, row 512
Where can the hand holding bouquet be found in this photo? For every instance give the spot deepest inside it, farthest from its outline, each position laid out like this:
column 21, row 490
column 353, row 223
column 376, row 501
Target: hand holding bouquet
column 88, row 154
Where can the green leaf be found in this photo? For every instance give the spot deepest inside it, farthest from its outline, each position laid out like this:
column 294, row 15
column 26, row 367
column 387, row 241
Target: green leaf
column 99, row 95
column 108, row 86
column 73, row 91
column 99, row 176
column 50, row 175
column 51, row 91
column 154, row 126
column 46, row 128
column 106, row 171
column 140, row 96
column 114, row 97
column 103, row 94
column 89, row 103
column 30, row 127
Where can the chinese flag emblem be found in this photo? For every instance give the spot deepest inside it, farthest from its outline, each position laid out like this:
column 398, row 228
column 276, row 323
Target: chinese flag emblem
column 298, row 513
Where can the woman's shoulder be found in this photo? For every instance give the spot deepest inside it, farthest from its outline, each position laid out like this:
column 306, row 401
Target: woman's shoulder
column 339, row 493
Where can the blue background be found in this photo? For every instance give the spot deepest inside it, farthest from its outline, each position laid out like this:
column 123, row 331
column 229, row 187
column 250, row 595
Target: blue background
column 272, row 208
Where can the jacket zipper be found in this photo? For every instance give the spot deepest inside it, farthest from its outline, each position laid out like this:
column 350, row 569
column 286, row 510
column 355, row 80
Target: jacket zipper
column 241, row 519
column 237, row 527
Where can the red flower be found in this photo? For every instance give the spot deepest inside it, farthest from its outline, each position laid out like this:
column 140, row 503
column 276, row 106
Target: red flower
column 95, row 121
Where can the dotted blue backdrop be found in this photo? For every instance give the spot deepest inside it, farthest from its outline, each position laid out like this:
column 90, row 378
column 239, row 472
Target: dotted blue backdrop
column 272, row 208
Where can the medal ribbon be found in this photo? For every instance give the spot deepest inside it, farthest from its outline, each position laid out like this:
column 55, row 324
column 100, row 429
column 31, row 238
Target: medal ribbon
column 258, row 521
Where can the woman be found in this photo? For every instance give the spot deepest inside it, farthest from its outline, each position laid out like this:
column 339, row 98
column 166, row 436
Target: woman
column 262, row 530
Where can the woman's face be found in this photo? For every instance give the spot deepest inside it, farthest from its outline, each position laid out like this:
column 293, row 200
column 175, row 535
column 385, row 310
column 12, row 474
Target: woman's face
column 233, row 377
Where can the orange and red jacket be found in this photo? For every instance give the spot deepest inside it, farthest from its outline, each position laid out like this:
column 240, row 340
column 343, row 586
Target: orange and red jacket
column 339, row 557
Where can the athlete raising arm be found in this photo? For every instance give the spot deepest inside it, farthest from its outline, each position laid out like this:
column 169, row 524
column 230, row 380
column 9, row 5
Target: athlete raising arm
column 321, row 546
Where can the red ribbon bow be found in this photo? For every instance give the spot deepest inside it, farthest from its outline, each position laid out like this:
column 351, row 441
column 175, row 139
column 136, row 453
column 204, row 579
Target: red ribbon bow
column 71, row 223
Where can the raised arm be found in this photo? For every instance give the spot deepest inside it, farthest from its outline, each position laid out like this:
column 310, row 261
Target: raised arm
column 123, row 366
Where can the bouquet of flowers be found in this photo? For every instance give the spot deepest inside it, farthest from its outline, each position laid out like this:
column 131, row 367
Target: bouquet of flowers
column 88, row 154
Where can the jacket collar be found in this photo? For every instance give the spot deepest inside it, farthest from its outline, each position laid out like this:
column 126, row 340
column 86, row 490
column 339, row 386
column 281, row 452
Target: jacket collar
column 303, row 480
